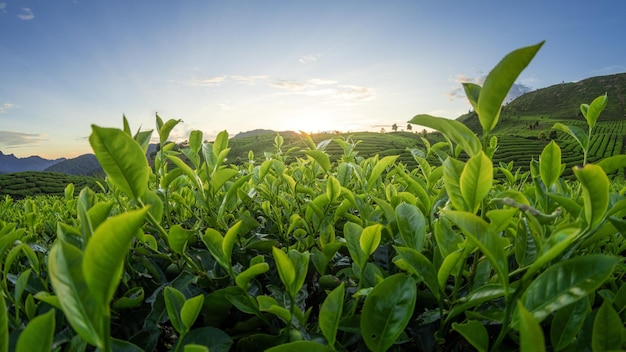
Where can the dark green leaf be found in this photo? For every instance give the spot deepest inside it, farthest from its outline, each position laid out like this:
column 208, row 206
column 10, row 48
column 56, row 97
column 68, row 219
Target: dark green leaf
column 300, row 346
column 531, row 335
column 567, row 323
column 475, row 333
column 607, row 329
column 412, row 225
column 416, row 263
column 330, row 314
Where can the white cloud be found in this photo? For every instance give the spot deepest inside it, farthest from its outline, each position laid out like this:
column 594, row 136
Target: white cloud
column 210, row 82
column 309, row 58
column 354, row 94
column 320, row 82
column 3, row 6
column 289, row 85
column 248, row 79
column 12, row 138
column 27, row 14
column 6, row 107
column 458, row 92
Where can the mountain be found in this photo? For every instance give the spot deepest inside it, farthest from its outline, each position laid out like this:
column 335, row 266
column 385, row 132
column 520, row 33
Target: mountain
column 10, row 163
column 86, row 165
column 562, row 102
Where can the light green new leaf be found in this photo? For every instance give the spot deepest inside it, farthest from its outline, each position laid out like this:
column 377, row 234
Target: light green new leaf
column 190, row 311
column 387, row 311
column 352, row 233
column 178, row 238
column 195, row 180
column 220, row 144
column 452, row 170
column 103, row 260
column 247, row 275
column 300, row 346
column 83, row 312
column 475, row 333
column 229, row 241
column 592, row 111
column 567, row 322
column 38, row 334
column 498, row 83
column 122, row 159
column 286, row 271
column 270, row 305
column 455, row 130
column 300, row 262
column 472, row 91
column 213, row 240
column 378, row 170
column 575, row 132
column 164, row 130
column 550, row 164
column 531, row 335
column 412, row 225
column 195, row 141
column 330, row 313
column 4, row 325
column 322, row 158
column 564, row 283
column 558, row 242
column 370, row 239
column 595, row 185
column 476, row 181
column 612, row 163
column 174, row 301
column 607, row 329
column 333, row 188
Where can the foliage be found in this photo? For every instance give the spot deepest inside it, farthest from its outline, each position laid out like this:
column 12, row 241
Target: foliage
column 301, row 251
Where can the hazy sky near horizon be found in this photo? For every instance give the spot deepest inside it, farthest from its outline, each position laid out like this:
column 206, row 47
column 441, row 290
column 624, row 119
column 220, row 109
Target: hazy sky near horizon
column 282, row 65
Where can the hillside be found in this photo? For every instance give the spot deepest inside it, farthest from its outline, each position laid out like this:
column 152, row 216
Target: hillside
column 31, row 183
column 10, row 163
column 86, row 165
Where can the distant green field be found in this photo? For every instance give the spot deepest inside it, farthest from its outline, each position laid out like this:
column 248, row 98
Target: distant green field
column 32, row 183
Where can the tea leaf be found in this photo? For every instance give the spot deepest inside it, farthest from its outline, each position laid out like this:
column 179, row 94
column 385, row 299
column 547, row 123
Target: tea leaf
column 550, row 164
column 4, row 325
column 387, row 311
column 567, row 322
column 174, row 301
column 498, row 83
column 455, row 130
column 592, row 111
column 38, row 334
column 370, row 239
column 476, row 181
column 412, row 225
column 607, row 329
column 122, row 159
column 104, row 255
column 330, row 314
column 286, row 271
column 595, row 185
column 531, row 335
column 475, row 333
column 190, row 311
column 378, row 170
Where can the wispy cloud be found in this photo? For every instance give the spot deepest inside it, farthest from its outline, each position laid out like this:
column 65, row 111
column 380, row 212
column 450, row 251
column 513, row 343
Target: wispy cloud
column 208, row 82
column 516, row 90
column 328, row 89
column 3, row 6
column 27, row 14
column 6, row 107
column 13, row 139
column 248, row 79
column 309, row 58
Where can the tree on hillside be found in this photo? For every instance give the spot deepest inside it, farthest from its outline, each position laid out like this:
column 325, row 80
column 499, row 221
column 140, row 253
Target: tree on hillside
column 394, row 127
column 409, row 127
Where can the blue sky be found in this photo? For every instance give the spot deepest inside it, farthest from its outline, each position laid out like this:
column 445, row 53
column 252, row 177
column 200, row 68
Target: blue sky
column 282, row 65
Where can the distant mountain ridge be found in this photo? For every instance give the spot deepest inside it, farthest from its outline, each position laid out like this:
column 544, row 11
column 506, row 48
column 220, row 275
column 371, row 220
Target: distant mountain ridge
column 10, row 163
column 84, row 165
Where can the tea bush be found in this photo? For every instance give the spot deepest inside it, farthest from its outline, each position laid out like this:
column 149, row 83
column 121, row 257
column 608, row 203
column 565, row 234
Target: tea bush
column 196, row 254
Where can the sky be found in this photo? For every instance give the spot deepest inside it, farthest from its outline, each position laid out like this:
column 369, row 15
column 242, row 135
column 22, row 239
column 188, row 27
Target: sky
column 284, row 65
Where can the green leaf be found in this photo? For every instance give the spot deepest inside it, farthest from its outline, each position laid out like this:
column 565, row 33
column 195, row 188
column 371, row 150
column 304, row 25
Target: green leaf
column 575, row 132
column 412, row 225
column 472, row 91
column 190, row 311
column 4, row 325
column 550, row 164
column 333, row 188
column 131, row 298
column 286, row 271
column 213, row 339
column 195, row 180
column 352, row 234
column 455, row 130
column 378, row 170
column 387, row 311
column 122, row 159
column 220, row 144
column 567, row 322
column 300, row 346
column 370, row 239
column 498, row 83
column 164, row 130
column 178, row 238
column 607, row 329
column 566, row 282
column 475, row 333
column 229, row 241
column 84, row 314
column 476, row 181
column 612, row 163
column 38, row 334
column 558, row 242
column 270, row 305
column 322, row 158
column 174, row 301
column 592, row 111
column 330, row 313
column 103, row 260
column 595, row 185
column 452, row 170
column 195, row 141
column 220, row 177
column 416, row 263
column 247, row 275
column 531, row 335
